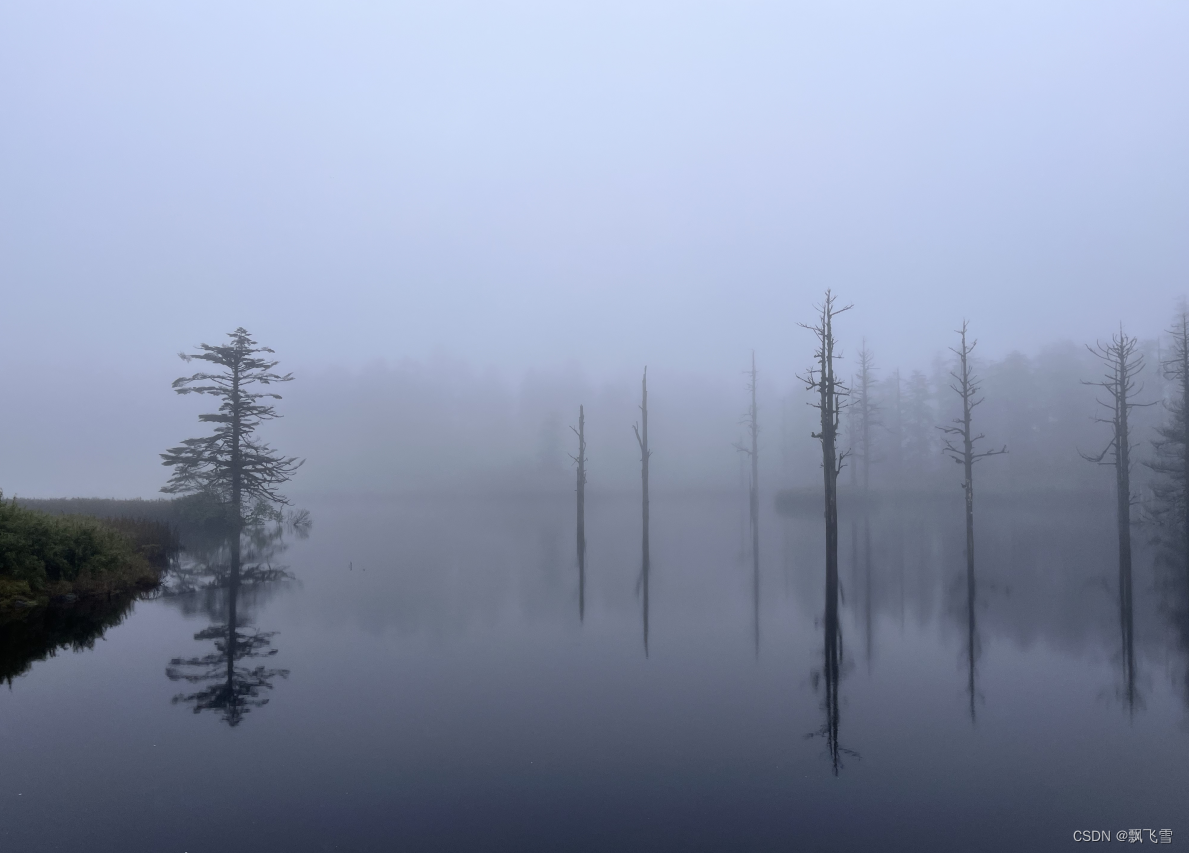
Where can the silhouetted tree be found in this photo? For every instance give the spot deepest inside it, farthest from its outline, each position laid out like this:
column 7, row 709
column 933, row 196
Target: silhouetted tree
column 823, row 379
column 580, row 461
column 967, row 388
column 232, row 465
column 1123, row 363
column 231, row 462
column 641, row 431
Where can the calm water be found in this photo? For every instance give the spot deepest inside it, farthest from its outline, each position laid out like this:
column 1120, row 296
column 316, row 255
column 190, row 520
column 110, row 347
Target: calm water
column 432, row 688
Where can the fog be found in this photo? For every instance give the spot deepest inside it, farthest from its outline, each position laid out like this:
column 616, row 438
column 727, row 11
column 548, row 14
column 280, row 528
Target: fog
column 456, row 222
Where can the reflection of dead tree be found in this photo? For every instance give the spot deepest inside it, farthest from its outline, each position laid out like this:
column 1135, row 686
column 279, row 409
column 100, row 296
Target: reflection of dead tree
column 831, row 676
column 973, row 649
column 1123, row 364
column 580, row 460
column 753, row 497
column 641, row 431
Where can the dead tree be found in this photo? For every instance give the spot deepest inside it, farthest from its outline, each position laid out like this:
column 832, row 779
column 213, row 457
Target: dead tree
column 580, row 460
column 753, row 496
column 831, row 392
column 1123, row 363
column 641, row 431
column 966, row 385
column 866, row 412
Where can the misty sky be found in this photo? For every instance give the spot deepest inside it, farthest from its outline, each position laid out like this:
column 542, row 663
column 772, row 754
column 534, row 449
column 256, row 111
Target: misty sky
column 613, row 183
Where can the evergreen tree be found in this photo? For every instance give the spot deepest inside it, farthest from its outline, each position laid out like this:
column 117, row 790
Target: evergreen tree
column 232, row 463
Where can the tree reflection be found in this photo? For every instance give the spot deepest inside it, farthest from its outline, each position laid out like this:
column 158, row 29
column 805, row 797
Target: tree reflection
column 830, row 674
column 41, row 633
column 224, row 580
column 973, row 646
column 1127, row 636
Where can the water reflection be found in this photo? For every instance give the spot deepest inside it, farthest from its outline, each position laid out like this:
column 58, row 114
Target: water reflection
column 973, row 647
column 830, row 676
column 38, row 634
column 1127, row 632
column 226, row 580
column 1172, row 559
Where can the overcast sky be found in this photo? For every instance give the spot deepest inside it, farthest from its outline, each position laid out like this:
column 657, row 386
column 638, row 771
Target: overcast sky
column 523, row 184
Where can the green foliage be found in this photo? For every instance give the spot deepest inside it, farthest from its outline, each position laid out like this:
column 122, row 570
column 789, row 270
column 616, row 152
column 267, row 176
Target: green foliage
column 42, row 554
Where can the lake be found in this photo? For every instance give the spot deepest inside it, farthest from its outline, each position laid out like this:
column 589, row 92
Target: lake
column 421, row 679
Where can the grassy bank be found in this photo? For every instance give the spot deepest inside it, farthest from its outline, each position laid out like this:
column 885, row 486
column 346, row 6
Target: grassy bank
column 46, row 558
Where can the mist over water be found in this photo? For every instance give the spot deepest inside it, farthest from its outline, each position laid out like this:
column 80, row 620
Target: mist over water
column 458, row 223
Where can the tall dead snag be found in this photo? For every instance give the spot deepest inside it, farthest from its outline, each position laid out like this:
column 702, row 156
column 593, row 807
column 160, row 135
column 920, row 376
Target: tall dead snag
column 1123, row 363
column 580, row 460
column 753, row 496
column 823, row 379
column 641, row 431
column 966, row 385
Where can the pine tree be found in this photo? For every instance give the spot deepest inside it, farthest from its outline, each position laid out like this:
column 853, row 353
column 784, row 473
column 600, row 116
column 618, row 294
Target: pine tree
column 232, row 463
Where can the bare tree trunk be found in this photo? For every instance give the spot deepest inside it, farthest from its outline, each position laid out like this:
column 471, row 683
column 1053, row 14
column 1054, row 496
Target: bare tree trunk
column 967, row 387
column 642, row 439
column 823, row 379
column 1123, row 365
